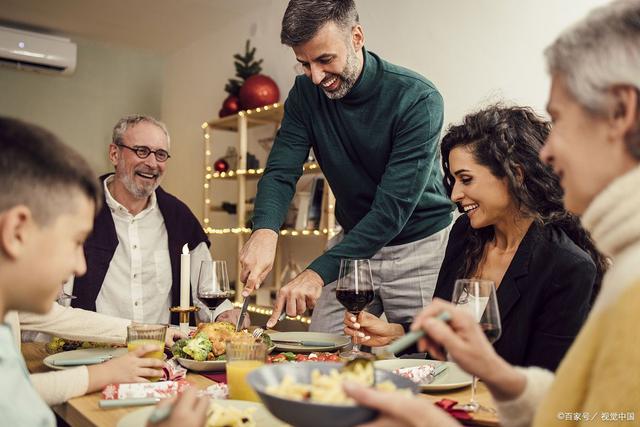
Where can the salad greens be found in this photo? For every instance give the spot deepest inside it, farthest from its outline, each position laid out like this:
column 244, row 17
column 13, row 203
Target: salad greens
column 196, row 348
column 202, row 346
column 177, row 347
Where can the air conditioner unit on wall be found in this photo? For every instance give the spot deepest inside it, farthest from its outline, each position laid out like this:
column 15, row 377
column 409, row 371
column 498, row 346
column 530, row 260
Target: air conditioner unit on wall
column 26, row 50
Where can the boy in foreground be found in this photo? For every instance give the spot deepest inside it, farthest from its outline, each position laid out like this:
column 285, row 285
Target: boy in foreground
column 47, row 204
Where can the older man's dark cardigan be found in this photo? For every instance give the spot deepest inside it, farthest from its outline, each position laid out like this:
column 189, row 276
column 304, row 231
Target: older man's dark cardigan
column 182, row 227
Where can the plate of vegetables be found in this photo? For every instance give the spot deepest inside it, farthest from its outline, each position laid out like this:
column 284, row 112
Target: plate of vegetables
column 57, row 345
column 205, row 349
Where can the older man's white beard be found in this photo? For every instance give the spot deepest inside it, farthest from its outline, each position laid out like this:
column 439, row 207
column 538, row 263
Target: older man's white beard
column 138, row 191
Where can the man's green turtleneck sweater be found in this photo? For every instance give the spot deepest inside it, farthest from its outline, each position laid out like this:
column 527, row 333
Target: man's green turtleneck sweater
column 378, row 148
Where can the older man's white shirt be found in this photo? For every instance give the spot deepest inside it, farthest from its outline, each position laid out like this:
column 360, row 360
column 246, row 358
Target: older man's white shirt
column 138, row 283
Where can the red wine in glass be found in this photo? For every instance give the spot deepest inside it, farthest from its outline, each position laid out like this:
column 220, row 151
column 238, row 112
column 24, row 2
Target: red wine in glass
column 213, row 284
column 213, row 300
column 354, row 301
column 354, row 290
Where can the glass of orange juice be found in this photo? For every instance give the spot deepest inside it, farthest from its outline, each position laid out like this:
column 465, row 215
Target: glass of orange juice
column 242, row 358
column 141, row 334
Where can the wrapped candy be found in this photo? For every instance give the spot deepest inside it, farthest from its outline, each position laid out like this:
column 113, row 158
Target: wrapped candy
column 160, row 390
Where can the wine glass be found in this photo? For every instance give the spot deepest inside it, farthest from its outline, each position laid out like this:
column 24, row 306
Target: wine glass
column 213, row 284
column 354, row 291
column 64, row 298
column 478, row 298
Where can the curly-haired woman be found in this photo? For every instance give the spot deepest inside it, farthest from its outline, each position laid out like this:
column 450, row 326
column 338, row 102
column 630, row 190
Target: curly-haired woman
column 515, row 232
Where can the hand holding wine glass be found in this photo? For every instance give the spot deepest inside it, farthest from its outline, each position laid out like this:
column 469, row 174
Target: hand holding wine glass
column 355, row 292
column 463, row 341
column 213, row 284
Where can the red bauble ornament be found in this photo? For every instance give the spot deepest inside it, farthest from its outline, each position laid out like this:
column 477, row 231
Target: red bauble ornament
column 230, row 105
column 258, row 91
column 221, row 165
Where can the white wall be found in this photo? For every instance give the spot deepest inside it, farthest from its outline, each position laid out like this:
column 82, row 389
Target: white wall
column 81, row 109
column 193, row 93
column 475, row 51
column 195, row 77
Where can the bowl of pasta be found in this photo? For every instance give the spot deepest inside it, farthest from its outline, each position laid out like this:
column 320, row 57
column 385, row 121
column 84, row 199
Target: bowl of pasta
column 311, row 394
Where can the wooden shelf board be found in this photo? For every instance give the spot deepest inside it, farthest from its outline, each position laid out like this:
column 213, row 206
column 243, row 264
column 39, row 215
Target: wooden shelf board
column 254, row 118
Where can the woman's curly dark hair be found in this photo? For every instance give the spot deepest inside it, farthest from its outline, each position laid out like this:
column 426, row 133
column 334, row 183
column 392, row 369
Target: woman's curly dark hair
column 507, row 140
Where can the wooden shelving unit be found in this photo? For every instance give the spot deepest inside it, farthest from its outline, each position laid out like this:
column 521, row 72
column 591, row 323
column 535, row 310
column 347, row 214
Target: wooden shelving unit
column 269, row 115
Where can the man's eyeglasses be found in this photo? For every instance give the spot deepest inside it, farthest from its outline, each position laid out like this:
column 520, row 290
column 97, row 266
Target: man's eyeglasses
column 144, row 152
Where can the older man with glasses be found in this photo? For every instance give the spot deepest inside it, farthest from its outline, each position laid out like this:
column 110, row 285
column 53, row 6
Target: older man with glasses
column 133, row 253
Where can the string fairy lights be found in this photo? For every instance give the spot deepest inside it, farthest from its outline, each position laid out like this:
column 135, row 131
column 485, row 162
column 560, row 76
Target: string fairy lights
column 239, row 122
column 267, row 311
column 289, row 232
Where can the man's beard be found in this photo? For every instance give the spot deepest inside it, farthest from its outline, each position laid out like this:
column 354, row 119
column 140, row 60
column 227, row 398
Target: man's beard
column 139, row 191
column 347, row 77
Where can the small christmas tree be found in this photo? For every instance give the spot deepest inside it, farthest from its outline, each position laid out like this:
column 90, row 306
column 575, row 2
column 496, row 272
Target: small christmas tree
column 246, row 67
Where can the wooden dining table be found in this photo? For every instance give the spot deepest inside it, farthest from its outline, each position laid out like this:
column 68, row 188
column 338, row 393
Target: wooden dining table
column 84, row 411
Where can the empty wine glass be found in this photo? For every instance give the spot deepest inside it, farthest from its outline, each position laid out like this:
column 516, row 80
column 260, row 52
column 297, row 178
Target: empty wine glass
column 478, row 298
column 354, row 290
column 213, row 284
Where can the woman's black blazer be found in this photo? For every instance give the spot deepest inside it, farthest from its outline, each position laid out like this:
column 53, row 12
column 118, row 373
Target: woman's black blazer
column 544, row 297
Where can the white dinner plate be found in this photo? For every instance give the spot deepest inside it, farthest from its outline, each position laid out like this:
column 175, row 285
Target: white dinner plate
column 81, row 353
column 261, row 416
column 334, row 341
column 204, row 366
column 452, row 378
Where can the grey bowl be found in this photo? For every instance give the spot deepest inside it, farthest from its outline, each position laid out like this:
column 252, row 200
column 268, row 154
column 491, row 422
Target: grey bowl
column 308, row 414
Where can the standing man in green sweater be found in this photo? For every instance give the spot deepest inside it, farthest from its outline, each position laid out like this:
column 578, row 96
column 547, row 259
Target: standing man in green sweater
column 374, row 128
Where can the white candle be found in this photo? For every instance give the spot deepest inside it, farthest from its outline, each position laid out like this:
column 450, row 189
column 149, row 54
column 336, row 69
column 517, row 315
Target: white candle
column 185, row 277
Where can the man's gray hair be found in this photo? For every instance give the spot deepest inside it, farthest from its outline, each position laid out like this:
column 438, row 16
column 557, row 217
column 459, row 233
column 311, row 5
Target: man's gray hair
column 130, row 121
column 303, row 18
column 599, row 52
